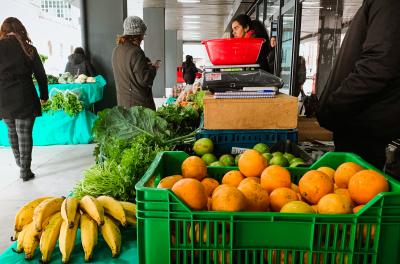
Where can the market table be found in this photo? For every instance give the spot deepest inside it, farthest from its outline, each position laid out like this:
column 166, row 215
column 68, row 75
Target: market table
column 90, row 93
column 57, row 128
column 102, row 254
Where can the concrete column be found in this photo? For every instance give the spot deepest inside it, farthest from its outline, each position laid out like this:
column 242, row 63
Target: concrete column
column 100, row 35
column 154, row 44
column 179, row 53
column 170, row 57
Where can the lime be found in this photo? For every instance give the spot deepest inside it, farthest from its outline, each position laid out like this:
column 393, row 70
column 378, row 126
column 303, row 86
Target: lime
column 216, row 164
column 267, row 156
column 288, row 156
column 295, row 160
column 277, row 153
column 237, row 159
column 227, row 160
column 203, row 146
column 261, row 147
column 279, row 160
column 209, row 158
column 296, row 164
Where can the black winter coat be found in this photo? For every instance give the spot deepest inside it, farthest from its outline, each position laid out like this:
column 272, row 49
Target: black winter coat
column 189, row 71
column 134, row 76
column 18, row 96
column 362, row 96
column 78, row 64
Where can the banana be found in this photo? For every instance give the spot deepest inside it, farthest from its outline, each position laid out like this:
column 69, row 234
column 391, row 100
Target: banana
column 113, row 208
column 69, row 208
column 49, row 237
column 89, row 235
column 66, row 240
column 25, row 213
column 31, row 241
column 20, row 240
column 131, row 220
column 93, row 208
column 129, row 208
column 111, row 235
column 44, row 210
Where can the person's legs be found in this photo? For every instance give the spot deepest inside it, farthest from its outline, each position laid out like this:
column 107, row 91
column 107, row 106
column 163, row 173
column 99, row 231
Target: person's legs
column 24, row 131
column 13, row 138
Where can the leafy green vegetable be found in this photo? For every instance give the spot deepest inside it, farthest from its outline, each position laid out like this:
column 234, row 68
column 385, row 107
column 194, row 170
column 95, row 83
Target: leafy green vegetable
column 181, row 120
column 118, row 175
column 69, row 103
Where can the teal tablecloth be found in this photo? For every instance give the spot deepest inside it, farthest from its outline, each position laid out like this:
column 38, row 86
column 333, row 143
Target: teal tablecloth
column 102, row 254
column 90, row 93
column 58, row 129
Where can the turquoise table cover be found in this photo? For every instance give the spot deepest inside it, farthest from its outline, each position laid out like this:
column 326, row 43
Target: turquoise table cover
column 102, row 254
column 58, row 128
column 90, row 93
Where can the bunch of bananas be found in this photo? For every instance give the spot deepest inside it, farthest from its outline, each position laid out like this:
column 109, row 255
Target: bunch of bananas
column 45, row 220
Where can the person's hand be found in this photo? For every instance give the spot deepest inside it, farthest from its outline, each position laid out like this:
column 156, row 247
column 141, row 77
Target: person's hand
column 42, row 102
column 157, row 64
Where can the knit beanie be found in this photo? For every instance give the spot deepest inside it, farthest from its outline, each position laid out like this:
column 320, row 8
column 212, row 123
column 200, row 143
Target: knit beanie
column 134, row 25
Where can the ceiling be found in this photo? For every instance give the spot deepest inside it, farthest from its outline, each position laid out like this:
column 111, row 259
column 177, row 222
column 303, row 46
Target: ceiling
column 194, row 21
column 208, row 19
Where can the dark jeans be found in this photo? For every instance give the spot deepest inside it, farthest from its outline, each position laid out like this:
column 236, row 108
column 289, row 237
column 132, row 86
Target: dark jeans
column 20, row 136
column 370, row 149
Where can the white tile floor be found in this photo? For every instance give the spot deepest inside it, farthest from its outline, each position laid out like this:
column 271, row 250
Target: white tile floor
column 57, row 169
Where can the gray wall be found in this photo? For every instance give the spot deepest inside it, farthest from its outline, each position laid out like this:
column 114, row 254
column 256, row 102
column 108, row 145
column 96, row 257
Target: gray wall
column 179, row 52
column 170, row 57
column 154, row 44
column 104, row 21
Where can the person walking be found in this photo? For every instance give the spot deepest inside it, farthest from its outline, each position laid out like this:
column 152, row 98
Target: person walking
column 189, row 70
column 134, row 73
column 360, row 102
column 19, row 102
column 78, row 63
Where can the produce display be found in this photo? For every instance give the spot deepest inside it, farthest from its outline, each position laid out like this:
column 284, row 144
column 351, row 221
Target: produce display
column 128, row 141
column 69, row 78
column 204, row 148
column 67, row 101
column 258, row 186
column 46, row 220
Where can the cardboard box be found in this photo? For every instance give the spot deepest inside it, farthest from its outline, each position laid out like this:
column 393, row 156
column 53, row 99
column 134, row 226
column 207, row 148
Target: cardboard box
column 264, row 113
column 309, row 129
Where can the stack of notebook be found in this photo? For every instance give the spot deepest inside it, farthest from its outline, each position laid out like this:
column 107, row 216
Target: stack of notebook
column 248, row 92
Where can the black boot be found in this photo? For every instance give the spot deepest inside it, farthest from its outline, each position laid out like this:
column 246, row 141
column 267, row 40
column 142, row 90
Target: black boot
column 27, row 175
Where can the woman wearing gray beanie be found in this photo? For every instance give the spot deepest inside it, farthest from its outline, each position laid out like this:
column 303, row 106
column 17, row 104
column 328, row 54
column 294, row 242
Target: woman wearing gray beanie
column 134, row 73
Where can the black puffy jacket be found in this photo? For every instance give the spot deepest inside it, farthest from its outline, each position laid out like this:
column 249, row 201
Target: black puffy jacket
column 362, row 95
column 78, row 64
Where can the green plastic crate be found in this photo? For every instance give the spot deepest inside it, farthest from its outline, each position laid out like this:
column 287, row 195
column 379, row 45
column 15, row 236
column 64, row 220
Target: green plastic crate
column 167, row 227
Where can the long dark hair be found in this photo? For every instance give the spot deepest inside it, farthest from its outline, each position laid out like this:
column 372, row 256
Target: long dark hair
column 261, row 32
column 12, row 26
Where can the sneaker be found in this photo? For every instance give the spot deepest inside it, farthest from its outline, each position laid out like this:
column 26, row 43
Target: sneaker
column 27, row 176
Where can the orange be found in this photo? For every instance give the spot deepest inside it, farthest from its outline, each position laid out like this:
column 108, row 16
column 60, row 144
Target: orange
column 274, row 177
column 314, row 185
column 209, row 184
column 192, row 192
column 358, row 208
column 345, row 193
column 233, row 178
column 281, row 196
column 253, row 179
column 344, row 172
column 328, row 171
column 334, row 204
column 228, row 198
column 257, row 198
column 194, row 167
column 365, row 185
column 252, row 163
column 169, row 181
column 297, row 207
column 294, row 187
